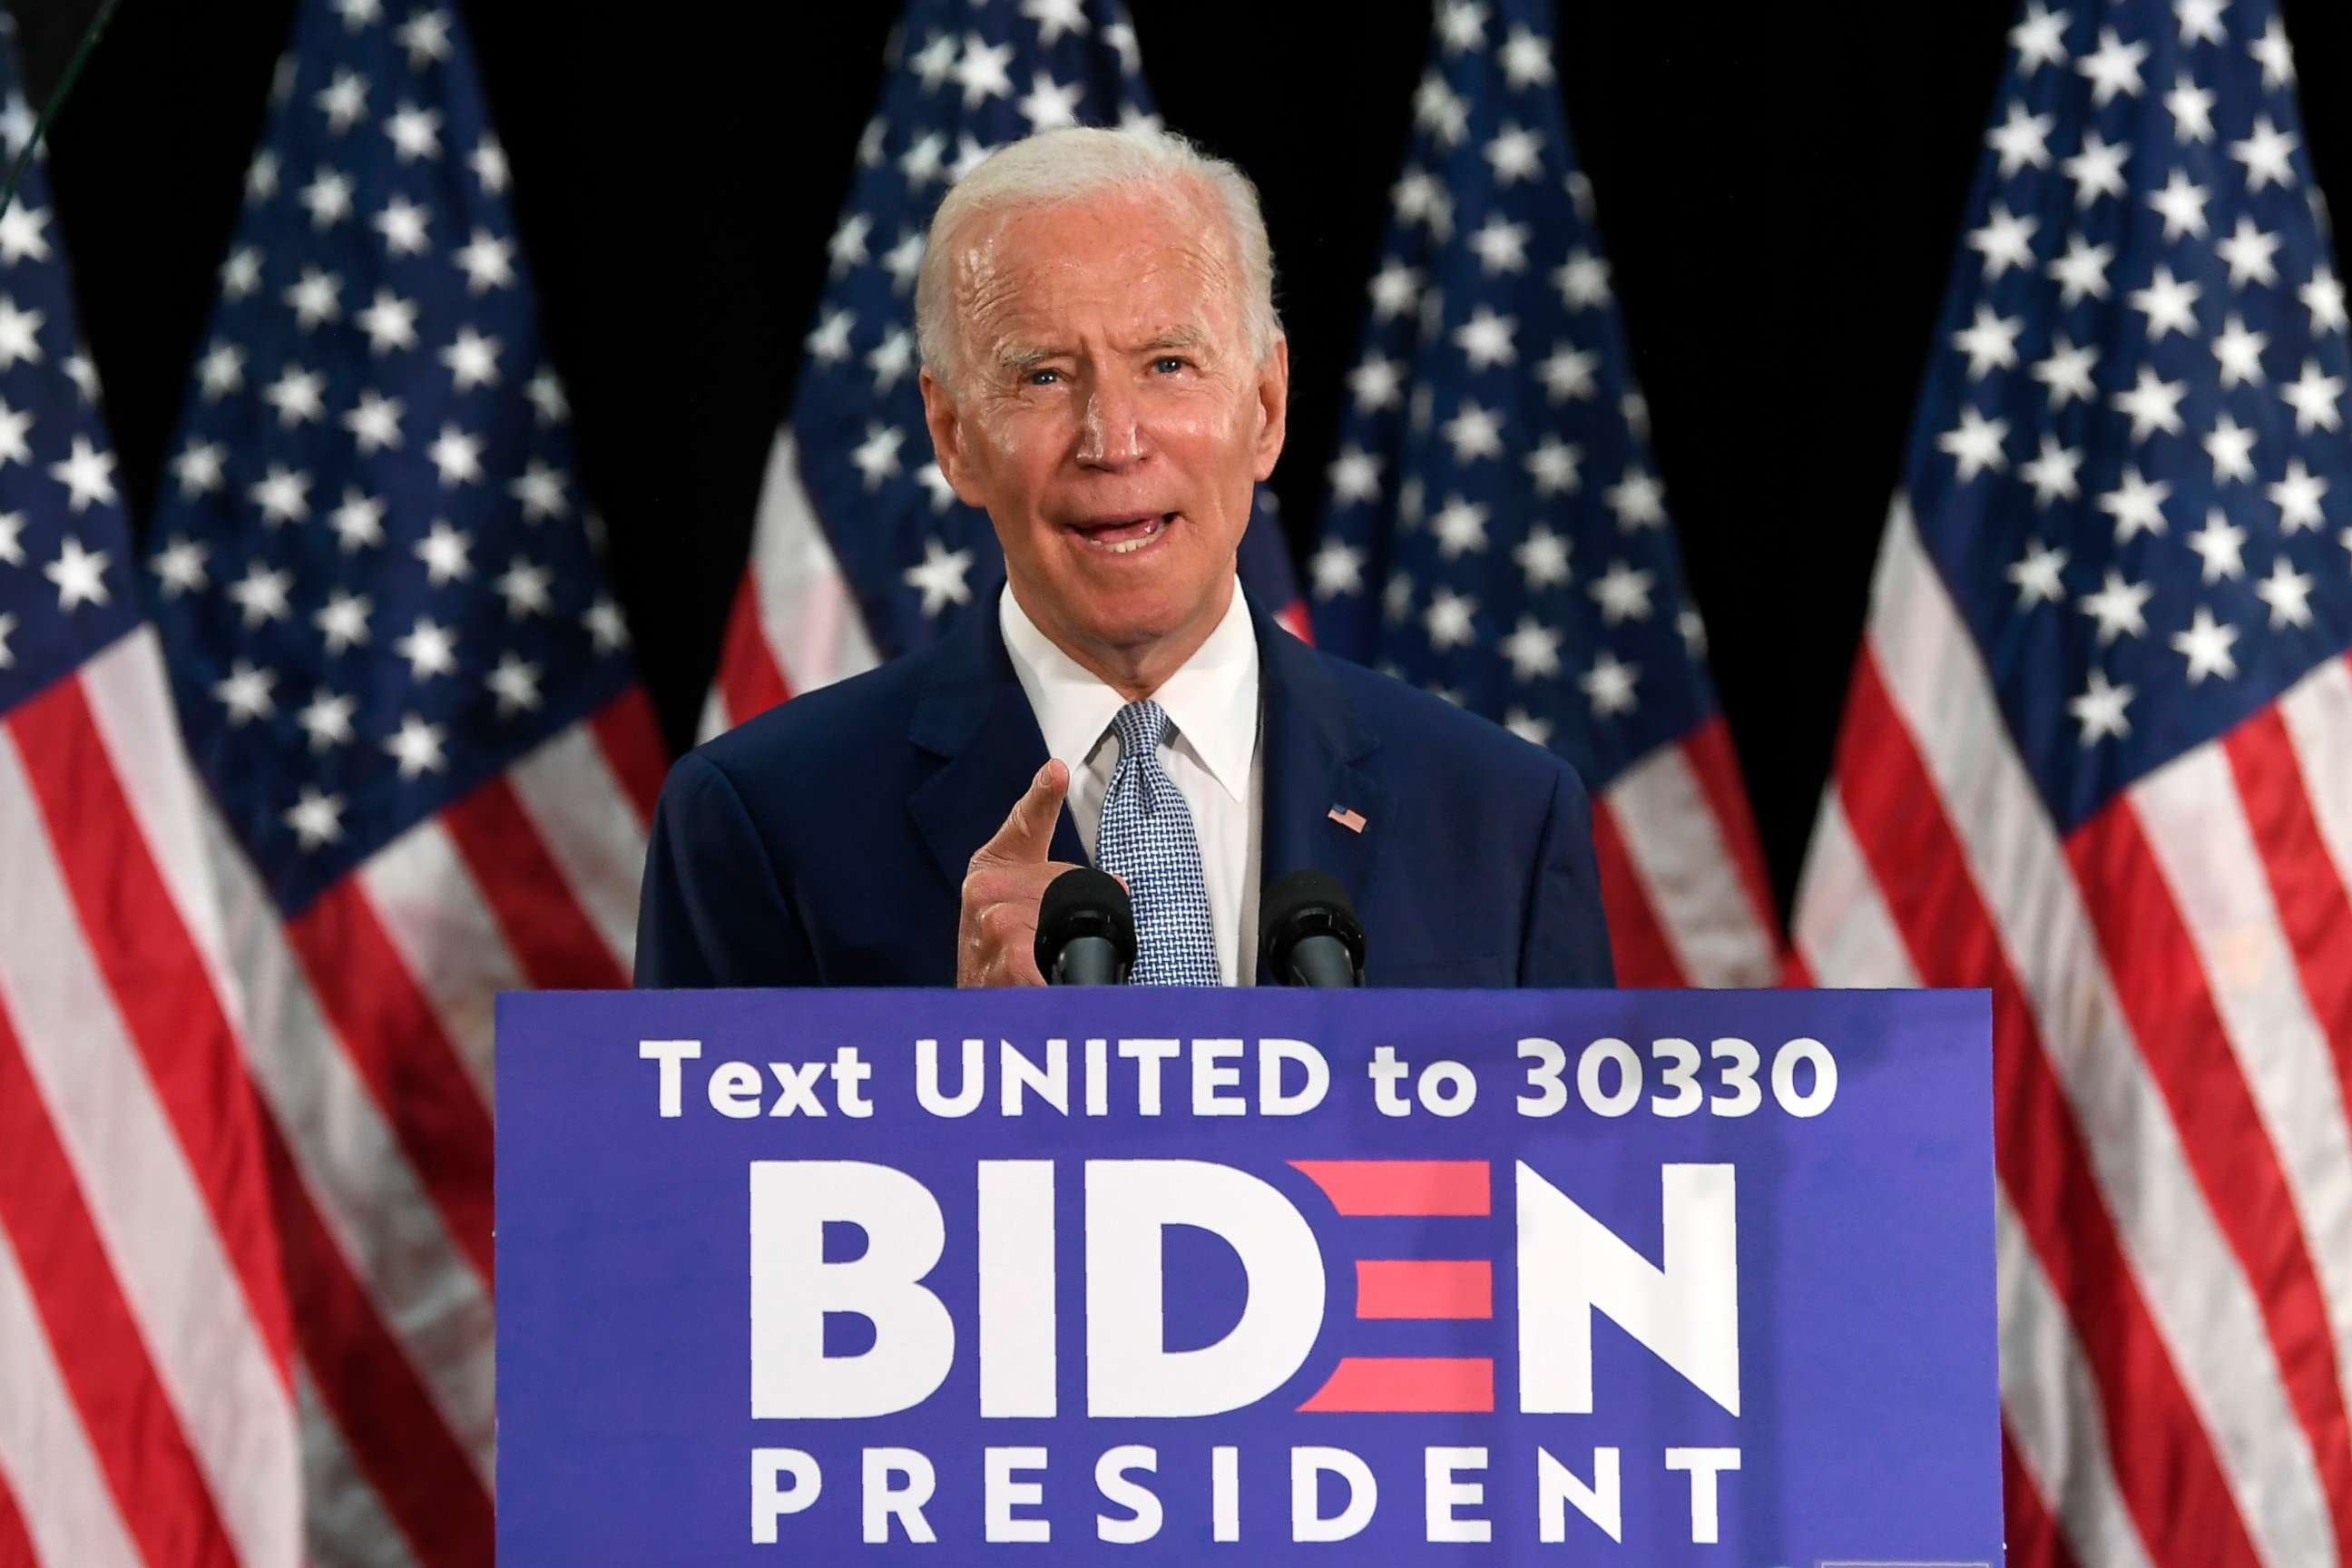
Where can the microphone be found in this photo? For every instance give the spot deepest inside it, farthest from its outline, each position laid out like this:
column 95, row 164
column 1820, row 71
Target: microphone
column 1086, row 929
column 1308, row 933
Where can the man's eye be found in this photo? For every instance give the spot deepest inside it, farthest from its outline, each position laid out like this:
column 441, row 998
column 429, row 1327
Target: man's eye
column 1043, row 377
column 1168, row 364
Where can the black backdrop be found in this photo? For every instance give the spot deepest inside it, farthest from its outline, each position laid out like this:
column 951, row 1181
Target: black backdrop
column 1780, row 187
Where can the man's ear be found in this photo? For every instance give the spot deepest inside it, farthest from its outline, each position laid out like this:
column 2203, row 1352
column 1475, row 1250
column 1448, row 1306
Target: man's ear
column 949, row 436
column 1273, row 407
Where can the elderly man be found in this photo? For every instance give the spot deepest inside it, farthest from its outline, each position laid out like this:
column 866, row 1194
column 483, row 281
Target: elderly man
column 1104, row 374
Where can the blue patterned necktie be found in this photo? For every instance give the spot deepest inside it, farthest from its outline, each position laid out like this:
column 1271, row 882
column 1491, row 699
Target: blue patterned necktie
column 1146, row 838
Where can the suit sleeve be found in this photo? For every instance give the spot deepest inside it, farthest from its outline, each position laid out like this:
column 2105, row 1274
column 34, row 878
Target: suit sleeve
column 1568, row 935
column 713, row 912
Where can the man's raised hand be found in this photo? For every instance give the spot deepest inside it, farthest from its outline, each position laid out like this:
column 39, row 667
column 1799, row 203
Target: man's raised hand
column 996, row 935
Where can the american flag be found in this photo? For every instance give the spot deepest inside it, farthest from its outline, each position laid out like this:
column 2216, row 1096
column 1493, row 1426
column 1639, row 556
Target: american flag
column 409, row 704
column 2096, row 758
column 147, row 1398
column 1496, row 528
column 861, row 551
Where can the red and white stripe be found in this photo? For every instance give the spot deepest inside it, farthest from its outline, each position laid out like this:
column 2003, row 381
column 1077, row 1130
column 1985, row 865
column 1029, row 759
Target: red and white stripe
column 1681, row 876
column 371, row 1016
column 796, row 624
column 149, row 1411
column 2172, row 1027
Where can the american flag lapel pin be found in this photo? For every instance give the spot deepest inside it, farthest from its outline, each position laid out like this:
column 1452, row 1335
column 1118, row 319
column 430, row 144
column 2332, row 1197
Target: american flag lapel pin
column 1352, row 820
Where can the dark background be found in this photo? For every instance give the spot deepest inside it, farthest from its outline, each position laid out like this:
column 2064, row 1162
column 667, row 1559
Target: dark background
column 1779, row 188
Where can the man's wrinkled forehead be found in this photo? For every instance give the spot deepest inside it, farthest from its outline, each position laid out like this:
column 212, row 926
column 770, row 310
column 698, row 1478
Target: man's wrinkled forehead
column 1153, row 265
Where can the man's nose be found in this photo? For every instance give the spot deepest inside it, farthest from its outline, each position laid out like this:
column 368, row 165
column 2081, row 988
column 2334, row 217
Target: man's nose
column 1111, row 432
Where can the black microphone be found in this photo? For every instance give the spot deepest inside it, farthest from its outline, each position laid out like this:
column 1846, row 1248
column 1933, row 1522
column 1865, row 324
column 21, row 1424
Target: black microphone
column 1308, row 933
column 1086, row 929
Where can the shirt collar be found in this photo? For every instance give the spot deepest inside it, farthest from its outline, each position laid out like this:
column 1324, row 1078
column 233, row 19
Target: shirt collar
column 1212, row 701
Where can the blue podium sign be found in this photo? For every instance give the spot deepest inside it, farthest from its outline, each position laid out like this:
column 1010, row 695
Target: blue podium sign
column 1262, row 1277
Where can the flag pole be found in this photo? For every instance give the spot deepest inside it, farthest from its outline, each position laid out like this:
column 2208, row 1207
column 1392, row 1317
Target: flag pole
column 56, row 101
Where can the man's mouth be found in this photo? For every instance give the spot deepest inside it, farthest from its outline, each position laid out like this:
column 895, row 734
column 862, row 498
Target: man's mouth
column 1126, row 534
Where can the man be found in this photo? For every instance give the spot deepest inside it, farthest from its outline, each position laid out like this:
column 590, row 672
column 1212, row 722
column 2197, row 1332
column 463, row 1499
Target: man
column 1104, row 374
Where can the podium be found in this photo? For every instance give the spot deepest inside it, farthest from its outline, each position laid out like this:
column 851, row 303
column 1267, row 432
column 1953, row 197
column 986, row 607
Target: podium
column 1247, row 1275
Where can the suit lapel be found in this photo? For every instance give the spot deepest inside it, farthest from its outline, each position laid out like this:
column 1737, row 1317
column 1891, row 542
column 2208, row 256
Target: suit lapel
column 1313, row 744
column 975, row 716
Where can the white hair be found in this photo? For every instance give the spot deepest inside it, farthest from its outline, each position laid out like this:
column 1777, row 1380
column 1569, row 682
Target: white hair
column 1081, row 161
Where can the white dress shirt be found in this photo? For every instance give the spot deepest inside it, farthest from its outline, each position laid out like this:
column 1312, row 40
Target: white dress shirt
column 1211, row 753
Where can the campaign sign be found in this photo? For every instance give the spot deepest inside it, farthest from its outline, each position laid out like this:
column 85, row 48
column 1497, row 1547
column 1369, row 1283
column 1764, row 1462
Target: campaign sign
column 1241, row 1276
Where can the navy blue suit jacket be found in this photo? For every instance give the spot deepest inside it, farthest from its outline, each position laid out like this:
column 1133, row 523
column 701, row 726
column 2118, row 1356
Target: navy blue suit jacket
column 825, row 842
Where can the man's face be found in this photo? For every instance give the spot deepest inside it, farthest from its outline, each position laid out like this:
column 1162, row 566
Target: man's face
column 1108, row 413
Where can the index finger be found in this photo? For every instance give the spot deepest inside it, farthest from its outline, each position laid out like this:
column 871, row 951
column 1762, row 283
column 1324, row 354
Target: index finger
column 1028, row 831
